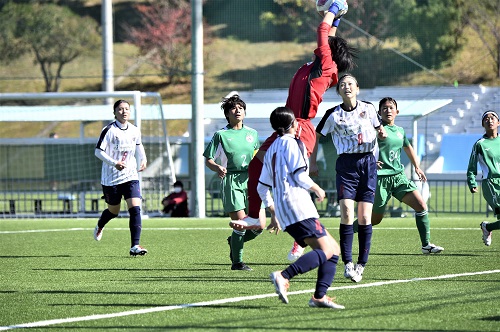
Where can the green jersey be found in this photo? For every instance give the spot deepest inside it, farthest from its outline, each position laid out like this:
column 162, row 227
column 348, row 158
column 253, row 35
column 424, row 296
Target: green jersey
column 235, row 148
column 390, row 150
column 486, row 152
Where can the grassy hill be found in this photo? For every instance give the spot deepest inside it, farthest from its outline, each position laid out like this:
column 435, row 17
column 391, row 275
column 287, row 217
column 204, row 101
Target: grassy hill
column 235, row 60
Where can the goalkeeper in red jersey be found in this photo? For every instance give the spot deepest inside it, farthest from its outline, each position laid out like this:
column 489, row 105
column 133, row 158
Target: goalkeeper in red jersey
column 305, row 93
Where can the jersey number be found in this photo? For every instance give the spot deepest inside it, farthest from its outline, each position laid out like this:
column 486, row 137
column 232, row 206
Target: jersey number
column 244, row 162
column 360, row 138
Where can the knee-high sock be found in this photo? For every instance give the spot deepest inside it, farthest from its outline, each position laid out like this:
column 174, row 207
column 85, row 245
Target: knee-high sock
column 135, row 225
column 423, row 225
column 237, row 240
column 305, row 263
column 326, row 273
column 346, row 237
column 493, row 226
column 251, row 234
column 365, row 242
column 106, row 216
column 254, row 201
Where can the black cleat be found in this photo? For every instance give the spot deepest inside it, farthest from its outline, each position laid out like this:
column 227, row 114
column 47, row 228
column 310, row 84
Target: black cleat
column 240, row 266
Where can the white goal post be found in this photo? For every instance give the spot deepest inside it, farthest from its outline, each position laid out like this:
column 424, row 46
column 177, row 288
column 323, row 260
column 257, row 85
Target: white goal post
column 45, row 177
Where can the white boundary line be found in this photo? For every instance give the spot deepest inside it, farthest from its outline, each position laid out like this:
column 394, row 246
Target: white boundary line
column 215, row 229
column 224, row 301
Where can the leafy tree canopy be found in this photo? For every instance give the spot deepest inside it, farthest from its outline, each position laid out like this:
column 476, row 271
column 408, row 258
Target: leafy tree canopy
column 54, row 35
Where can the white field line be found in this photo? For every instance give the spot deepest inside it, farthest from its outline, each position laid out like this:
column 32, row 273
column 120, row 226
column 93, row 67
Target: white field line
column 216, row 229
column 224, row 301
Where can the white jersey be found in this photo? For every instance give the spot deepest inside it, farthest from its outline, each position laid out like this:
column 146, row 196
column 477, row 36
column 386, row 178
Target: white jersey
column 352, row 131
column 283, row 159
column 120, row 144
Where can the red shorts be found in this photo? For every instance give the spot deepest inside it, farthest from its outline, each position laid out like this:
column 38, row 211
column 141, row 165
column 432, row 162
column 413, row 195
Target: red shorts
column 305, row 132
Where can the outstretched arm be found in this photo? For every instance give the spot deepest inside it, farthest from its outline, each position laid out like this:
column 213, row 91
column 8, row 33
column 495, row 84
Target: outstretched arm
column 331, row 16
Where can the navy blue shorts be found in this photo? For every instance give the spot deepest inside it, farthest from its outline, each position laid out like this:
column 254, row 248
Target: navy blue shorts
column 356, row 177
column 113, row 194
column 304, row 229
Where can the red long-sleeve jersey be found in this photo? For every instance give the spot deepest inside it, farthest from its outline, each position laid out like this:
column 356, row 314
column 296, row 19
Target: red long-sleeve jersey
column 312, row 80
column 307, row 88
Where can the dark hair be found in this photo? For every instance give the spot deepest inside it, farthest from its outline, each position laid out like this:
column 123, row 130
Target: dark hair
column 118, row 102
column 230, row 103
column 178, row 184
column 495, row 114
column 387, row 99
column 282, row 119
column 342, row 54
column 340, row 81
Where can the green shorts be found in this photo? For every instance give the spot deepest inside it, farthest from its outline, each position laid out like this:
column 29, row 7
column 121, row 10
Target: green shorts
column 396, row 185
column 491, row 188
column 234, row 192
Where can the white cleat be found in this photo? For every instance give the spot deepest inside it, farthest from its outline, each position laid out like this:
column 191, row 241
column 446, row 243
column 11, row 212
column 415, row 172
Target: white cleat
column 349, row 271
column 358, row 270
column 486, row 234
column 98, row 233
column 295, row 252
column 138, row 250
column 245, row 223
column 325, row 302
column 280, row 285
column 431, row 249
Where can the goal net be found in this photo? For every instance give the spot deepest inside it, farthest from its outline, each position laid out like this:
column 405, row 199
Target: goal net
column 42, row 176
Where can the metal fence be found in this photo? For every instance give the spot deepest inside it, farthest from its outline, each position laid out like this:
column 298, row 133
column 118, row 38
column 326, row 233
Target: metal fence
column 448, row 194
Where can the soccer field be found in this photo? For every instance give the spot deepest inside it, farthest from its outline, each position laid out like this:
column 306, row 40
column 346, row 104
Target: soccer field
column 56, row 277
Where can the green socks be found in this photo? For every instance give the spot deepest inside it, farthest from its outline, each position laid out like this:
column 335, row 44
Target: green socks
column 423, row 225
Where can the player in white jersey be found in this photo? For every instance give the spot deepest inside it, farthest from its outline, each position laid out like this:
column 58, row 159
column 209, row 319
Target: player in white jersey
column 354, row 126
column 121, row 151
column 285, row 171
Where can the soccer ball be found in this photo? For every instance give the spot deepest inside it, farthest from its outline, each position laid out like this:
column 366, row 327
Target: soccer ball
column 322, row 7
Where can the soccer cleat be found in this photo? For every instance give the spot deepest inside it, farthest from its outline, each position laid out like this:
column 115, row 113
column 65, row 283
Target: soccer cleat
column 349, row 271
column 431, row 249
column 240, row 267
column 98, row 233
column 358, row 273
column 295, row 252
column 280, row 285
column 486, row 233
column 245, row 223
column 325, row 302
column 138, row 250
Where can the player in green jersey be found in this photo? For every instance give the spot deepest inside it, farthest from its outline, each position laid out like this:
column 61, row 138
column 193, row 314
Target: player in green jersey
column 233, row 147
column 486, row 152
column 391, row 179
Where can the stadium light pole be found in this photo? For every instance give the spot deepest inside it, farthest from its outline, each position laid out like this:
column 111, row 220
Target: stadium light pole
column 197, row 129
